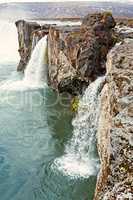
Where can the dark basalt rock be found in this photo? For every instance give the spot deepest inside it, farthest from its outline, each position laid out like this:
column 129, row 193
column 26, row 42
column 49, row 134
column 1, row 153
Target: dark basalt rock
column 97, row 39
column 74, row 86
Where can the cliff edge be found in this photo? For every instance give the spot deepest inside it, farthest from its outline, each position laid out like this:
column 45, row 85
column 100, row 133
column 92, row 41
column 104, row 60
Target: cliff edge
column 115, row 132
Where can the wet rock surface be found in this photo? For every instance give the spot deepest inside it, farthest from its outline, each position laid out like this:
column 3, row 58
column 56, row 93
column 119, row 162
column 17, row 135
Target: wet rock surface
column 115, row 133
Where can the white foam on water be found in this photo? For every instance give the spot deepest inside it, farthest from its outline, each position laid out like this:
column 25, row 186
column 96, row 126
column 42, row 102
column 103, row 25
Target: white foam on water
column 73, row 167
column 80, row 158
column 35, row 73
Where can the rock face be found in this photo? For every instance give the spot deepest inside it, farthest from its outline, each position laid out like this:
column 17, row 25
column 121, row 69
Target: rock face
column 28, row 35
column 115, row 133
column 97, row 39
column 63, row 47
column 78, row 56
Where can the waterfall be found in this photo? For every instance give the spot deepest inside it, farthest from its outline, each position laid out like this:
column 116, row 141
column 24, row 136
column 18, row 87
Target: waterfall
column 36, row 70
column 80, row 159
column 35, row 73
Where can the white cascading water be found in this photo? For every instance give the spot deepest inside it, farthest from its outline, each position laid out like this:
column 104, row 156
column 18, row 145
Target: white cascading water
column 36, row 70
column 80, row 158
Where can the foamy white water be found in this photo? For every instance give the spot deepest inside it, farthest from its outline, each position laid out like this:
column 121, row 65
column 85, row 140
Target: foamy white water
column 36, row 70
column 35, row 73
column 80, row 158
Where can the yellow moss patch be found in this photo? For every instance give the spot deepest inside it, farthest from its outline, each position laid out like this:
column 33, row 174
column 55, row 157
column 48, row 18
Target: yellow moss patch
column 75, row 104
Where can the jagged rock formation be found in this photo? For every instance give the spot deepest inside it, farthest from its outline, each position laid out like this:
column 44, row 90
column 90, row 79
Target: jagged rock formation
column 97, row 39
column 28, row 35
column 78, row 57
column 115, row 133
column 63, row 46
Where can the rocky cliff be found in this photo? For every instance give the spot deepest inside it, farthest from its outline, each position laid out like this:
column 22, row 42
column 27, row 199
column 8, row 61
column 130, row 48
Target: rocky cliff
column 115, row 133
column 78, row 56
column 63, row 47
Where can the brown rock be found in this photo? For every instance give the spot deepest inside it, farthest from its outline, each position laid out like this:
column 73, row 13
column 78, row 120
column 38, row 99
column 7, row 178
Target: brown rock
column 115, row 144
column 97, row 39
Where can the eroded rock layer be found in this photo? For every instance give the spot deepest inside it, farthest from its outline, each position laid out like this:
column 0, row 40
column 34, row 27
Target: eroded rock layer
column 115, row 133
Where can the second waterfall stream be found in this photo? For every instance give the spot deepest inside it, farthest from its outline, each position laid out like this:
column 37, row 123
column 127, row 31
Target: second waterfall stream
column 80, row 159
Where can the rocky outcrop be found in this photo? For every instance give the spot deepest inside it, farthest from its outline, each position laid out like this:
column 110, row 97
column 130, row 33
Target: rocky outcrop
column 78, row 56
column 63, row 47
column 97, row 39
column 29, row 34
column 115, row 132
